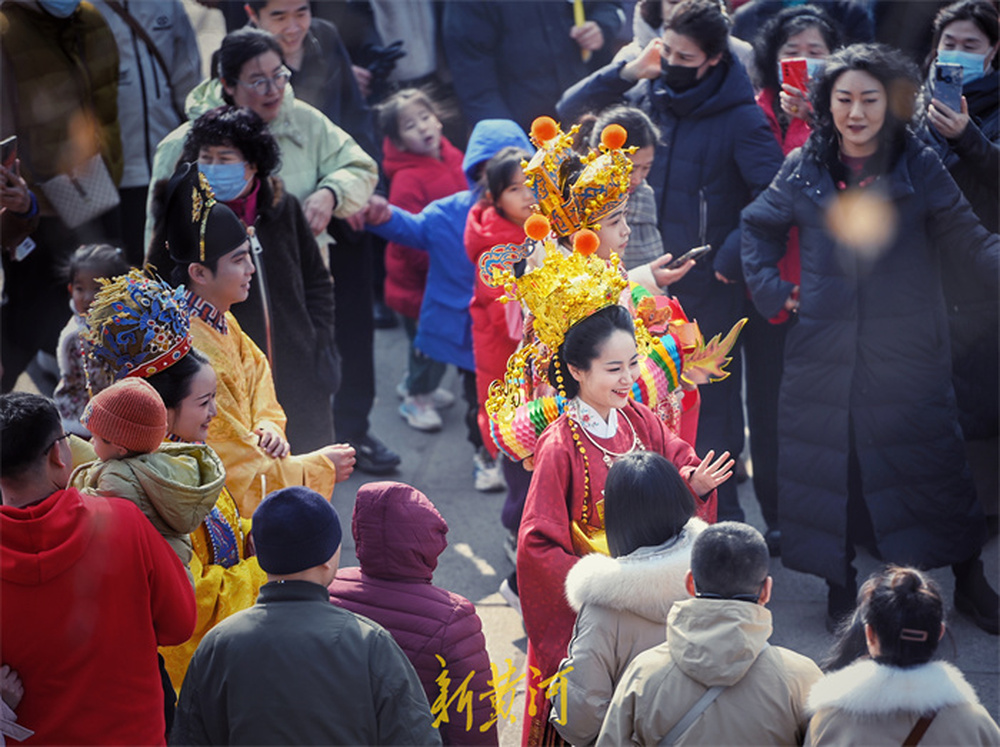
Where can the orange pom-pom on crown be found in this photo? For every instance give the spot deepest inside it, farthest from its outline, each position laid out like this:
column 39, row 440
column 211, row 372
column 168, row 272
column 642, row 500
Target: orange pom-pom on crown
column 613, row 136
column 544, row 129
column 586, row 242
column 537, row 227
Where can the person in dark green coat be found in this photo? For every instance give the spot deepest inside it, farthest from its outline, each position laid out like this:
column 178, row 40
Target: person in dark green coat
column 295, row 669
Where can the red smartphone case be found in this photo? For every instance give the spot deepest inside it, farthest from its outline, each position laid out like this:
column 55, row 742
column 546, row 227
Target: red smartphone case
column 795, row 73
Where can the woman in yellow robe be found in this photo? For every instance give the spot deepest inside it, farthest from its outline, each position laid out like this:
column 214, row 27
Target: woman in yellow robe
column 226, row 574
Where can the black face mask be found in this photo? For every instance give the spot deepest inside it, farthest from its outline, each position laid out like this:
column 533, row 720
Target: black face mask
column 678, row 77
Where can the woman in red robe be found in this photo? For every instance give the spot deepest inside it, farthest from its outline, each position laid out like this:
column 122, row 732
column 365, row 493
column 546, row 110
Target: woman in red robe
column 595, row 368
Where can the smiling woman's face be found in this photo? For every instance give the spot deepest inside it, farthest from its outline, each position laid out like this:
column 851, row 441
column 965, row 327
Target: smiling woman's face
column 189, row 421
column 608, row 381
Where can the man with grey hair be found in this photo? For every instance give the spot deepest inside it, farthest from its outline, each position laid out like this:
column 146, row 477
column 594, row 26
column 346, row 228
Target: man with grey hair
column 716, row 680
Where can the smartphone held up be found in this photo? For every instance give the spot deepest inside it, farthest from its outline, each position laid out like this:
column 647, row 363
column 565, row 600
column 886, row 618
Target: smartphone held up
column 946, row 85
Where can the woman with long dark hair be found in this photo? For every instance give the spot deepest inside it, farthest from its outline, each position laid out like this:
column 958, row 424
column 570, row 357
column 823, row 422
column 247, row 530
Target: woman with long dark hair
column 870, row 449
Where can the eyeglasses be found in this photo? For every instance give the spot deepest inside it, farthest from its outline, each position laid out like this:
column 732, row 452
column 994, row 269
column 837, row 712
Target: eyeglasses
column 58, row 439
column 262, row 85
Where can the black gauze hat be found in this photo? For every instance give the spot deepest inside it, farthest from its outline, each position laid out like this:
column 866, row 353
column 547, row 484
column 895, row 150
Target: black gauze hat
column 198, row 229
column 294, row 529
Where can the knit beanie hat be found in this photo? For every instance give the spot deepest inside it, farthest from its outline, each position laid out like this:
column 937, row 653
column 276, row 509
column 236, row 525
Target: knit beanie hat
column 128, row 413
column 294, row 529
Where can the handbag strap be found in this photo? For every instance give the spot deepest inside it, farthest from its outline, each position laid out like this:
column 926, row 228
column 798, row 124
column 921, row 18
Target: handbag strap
column 688, row 719
column 918, row 730
column 136, row 27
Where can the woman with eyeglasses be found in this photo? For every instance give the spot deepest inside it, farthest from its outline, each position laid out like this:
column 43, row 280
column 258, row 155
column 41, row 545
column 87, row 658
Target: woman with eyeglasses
column 321, row 165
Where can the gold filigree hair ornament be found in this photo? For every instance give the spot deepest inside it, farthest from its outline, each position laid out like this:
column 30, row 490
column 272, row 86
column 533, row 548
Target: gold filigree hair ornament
column 202, row 202
column 595, row 192
column 565, row 290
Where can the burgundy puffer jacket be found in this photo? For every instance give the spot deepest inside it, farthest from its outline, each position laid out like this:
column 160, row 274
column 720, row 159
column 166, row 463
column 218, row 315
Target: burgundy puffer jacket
column 398, row 537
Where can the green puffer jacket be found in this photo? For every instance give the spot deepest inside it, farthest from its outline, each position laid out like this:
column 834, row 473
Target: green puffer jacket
column 315, row 152
column 175, row 487
column 60, row 91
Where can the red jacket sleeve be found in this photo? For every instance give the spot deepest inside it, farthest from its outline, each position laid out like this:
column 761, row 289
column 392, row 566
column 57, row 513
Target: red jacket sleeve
column 171, row 598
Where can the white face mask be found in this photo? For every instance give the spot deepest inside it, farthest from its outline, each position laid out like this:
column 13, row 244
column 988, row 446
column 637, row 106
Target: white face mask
column 972, row 63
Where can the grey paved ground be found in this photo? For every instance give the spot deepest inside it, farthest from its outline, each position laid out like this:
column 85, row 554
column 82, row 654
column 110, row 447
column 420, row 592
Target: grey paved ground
column 474, row 564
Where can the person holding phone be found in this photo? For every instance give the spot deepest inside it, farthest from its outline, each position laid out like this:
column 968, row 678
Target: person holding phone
column 868, row 432
column 18, row 206
column 968, row 141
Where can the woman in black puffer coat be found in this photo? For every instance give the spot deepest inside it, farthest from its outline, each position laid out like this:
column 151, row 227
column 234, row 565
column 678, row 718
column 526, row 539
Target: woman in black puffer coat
column 870, row 449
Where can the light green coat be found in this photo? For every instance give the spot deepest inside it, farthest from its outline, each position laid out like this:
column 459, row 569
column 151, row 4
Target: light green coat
column 175, row 487
column 315, row 153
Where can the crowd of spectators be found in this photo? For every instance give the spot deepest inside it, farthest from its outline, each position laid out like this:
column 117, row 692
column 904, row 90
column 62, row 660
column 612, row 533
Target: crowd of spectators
column 849, row 214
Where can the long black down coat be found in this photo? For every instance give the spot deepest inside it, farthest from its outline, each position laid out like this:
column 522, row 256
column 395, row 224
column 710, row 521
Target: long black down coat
column 870, row 352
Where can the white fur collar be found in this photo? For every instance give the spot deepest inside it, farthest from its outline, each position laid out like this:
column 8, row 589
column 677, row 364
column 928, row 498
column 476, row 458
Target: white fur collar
column 869, row 688
column 646, row 583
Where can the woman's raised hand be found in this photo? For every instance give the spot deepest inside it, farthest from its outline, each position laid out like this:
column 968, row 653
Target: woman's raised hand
column 646, row 65
column 795, row 103
column 710, row 474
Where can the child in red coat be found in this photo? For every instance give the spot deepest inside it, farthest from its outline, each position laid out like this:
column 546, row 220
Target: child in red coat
column 422, row 166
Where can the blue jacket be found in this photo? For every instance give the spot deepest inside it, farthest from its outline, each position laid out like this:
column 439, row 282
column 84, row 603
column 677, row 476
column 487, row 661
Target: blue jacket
column 868, row 360
column 445, row 329
column 715, row 150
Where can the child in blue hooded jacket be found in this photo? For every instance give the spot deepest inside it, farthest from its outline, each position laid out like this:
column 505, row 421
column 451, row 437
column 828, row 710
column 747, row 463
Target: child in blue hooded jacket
column 444, row 331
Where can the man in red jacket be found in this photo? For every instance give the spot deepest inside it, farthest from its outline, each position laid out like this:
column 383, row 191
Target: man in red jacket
column 89, row 591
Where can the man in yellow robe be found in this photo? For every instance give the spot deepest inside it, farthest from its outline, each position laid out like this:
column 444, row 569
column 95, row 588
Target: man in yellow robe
column 212, row 249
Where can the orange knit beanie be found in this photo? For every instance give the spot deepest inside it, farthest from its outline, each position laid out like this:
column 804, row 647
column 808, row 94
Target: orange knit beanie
column 128, row 413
